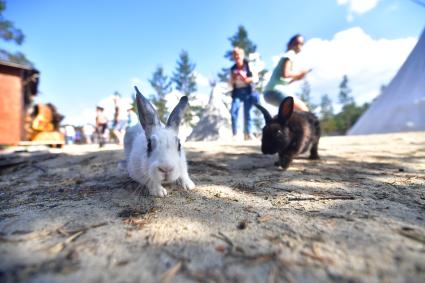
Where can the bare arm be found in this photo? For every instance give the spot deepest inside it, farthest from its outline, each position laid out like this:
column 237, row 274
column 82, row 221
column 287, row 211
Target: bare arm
column 287, row 72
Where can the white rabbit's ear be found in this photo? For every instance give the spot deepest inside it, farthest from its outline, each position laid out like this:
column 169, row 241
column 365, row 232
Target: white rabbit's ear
column 148, row 116
column 177, row 114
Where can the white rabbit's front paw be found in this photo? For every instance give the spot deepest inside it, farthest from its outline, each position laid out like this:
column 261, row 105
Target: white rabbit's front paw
column 158, row 191
column 187, row 184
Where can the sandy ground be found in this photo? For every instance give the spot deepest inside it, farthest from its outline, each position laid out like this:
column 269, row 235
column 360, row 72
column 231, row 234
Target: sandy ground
column 357, row 215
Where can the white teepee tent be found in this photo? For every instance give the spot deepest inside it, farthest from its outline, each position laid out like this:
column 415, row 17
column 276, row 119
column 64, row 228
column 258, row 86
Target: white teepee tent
column 215, row 123
column 401, row 106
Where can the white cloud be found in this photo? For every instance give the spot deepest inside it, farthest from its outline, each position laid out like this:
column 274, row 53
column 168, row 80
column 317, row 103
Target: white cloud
column 201, row 80
column 358, row 7
column 369, row 63
column 86, row 116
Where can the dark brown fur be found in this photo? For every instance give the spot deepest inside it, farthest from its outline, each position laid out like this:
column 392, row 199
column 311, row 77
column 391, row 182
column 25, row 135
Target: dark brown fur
column 290, row 133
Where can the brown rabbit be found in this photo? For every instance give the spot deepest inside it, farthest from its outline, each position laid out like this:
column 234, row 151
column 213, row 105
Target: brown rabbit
column 290, row 133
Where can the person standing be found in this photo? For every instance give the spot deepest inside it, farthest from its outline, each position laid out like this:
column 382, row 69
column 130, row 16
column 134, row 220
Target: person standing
column 284, row 74
column 101, row 125
column 69, row 134
column 120, row 118
column 241, row 82
column 88, row 131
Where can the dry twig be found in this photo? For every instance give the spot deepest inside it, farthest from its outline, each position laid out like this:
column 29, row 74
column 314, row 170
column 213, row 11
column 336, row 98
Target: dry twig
column 321, row 198
column 170, row 273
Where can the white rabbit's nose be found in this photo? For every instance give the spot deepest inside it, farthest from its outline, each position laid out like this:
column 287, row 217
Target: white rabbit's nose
column 165, row 169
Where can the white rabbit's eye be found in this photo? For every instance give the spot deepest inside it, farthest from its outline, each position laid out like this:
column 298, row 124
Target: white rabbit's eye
column 149, row 149
column 179, row 146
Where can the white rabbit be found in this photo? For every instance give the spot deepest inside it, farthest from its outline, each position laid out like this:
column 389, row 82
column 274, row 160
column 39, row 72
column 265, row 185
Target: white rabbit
column 153, row 152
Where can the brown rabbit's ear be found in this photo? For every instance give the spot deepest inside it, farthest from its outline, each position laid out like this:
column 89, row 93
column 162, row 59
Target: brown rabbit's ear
column 286, row 109
column 266, row 114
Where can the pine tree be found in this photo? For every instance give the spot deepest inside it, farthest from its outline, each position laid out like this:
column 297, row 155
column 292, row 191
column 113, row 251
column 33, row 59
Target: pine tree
column 184, row 76
column 306, row 97
column 326, row 108
column 331, row 123
column 240, row 39
column 327, row 121
column 8, row 32
column 344, row 92
column 185, row 81
column 343, row 119
column 162, row 85
column 350, row 111
column 223, row 76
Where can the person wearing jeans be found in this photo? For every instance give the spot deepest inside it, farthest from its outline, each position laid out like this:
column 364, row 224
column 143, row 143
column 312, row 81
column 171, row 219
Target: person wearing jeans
column 241, row 80
column 242, row 95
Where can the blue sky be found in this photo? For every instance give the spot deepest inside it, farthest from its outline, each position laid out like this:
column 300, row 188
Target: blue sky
column 87, row 50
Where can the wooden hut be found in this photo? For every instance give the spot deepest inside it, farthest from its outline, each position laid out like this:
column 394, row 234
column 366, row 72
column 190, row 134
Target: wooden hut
column 18, row 86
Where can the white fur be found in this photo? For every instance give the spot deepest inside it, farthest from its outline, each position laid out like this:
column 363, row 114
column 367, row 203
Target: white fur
column 145, row 170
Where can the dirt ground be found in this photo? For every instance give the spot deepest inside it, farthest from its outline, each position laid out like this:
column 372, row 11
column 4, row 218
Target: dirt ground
column 357, row 215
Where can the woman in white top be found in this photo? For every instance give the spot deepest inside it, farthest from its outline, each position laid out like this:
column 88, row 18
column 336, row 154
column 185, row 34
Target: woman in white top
column 284, row 74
